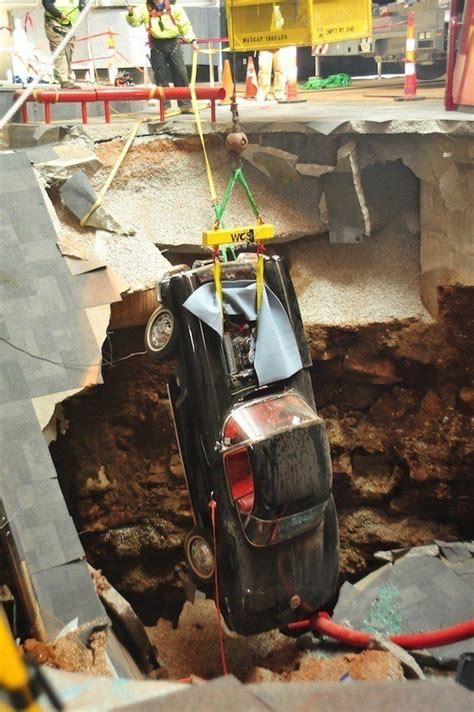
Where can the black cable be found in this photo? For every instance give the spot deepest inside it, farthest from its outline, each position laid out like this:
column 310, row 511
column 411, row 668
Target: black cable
column 70, row 366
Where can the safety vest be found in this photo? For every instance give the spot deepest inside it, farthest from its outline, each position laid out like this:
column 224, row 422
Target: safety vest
column 68, row 8
column 168, row 25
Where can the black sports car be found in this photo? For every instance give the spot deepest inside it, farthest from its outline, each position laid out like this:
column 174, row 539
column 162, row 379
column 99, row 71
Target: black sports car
column 250, row 440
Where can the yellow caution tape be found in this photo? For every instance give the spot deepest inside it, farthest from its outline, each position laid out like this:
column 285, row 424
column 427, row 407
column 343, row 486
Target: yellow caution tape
column 112, row 174
column 238, row 235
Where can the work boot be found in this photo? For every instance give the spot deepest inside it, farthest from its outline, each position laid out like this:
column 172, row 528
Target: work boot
column 70, row 85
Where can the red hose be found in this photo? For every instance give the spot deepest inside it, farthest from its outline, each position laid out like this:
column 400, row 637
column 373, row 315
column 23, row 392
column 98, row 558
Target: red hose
column 322, row 623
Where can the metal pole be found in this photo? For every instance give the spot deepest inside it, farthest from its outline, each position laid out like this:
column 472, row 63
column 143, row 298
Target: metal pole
column 317, row 65
column 90, row 56
column 211, row 65
column 31, row 87
column 378, row 59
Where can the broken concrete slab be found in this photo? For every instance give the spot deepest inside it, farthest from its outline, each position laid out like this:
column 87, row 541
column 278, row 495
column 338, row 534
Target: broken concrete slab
column 273, row 162
column 27, row 135
column 410, row 667
column 79, row 197
column 348, row 217
column 67, row 158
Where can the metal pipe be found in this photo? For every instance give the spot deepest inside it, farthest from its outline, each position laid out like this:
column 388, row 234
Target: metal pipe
column 151, row 92
column 51, row 96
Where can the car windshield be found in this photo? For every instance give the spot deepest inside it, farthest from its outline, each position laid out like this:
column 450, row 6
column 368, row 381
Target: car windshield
column 262, row 418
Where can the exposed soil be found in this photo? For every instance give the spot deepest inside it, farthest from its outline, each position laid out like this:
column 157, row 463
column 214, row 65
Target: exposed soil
column 193, row 649
column 397, row 399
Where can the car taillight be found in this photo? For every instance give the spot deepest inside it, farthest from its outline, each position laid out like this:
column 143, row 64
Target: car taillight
column 240, row 477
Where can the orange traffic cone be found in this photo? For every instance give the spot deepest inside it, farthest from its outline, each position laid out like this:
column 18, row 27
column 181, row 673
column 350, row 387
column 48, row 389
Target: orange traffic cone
column 228, row 83
column 409, row 91
column 251, row 86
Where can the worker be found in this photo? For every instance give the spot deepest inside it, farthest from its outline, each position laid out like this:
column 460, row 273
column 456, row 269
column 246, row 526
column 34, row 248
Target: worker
column 166, row 22
column 59, row 16
column 268, row 60
column 272, row 59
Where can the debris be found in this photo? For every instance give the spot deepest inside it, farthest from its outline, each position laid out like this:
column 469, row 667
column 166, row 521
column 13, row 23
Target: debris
column 369, row 665
column 127, row 621
column 193, row 648
column 69, row 653
column 415, row 593
column 407, row 661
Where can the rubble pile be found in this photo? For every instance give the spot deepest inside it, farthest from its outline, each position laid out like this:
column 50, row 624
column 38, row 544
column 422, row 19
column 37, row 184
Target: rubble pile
column 69, row 653
column 193, row 649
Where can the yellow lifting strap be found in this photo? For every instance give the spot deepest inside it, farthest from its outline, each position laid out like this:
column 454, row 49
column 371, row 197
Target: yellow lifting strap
column 112, row 174
column 260, row 279
column 192, row 89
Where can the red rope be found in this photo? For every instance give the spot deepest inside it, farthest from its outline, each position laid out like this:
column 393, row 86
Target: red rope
column 220, row 630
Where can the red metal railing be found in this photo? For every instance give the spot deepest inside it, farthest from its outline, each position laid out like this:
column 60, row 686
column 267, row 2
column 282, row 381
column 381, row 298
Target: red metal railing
column 107, row 95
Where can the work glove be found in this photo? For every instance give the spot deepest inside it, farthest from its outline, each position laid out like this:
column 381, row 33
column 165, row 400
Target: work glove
column 195, row 46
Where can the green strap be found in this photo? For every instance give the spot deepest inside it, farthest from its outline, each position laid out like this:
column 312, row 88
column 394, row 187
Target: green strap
column 238, row 176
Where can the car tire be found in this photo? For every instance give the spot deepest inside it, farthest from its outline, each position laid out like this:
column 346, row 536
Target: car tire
column 199, row 553
column 161, row 335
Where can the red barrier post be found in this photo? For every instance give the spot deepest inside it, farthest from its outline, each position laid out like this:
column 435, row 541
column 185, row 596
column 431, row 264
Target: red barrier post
column 24, row 113
column 162, row 110
column 213, row 111
column 84, row 112
column 107, row 111
column 449, row 104
column 47, row 112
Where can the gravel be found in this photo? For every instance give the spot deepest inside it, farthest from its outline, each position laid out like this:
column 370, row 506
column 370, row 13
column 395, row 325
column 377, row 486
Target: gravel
column 346, row 284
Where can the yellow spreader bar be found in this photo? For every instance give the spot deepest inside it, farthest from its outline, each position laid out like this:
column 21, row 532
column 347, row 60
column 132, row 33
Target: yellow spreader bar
column 238, row 235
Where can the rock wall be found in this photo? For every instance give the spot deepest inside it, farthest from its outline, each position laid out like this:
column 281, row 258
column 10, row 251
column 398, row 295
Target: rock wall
column 397, row 399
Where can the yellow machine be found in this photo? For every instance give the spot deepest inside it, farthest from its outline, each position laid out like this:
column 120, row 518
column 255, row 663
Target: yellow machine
column 14, row 676
column 267, row 24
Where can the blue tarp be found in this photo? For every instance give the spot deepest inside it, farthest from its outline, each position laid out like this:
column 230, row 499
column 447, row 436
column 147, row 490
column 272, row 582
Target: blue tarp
column 276, row 352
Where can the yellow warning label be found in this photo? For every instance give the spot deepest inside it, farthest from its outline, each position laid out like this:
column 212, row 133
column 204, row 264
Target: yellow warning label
column 238, row 235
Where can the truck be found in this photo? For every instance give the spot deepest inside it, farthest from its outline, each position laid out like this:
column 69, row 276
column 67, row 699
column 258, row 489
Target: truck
column 388, row 39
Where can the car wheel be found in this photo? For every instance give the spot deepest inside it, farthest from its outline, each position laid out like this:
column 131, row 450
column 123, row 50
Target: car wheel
column 161, row 334
column 199, row 553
